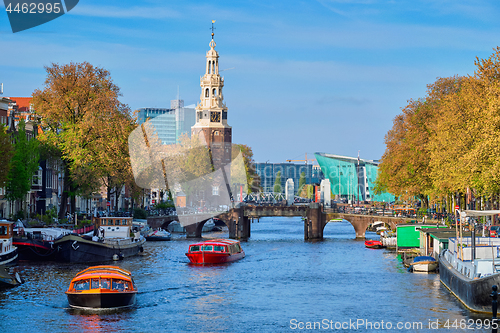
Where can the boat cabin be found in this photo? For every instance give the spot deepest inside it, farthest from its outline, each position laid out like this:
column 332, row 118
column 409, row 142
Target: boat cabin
column 217, row 246
column 6, row 234
column 113, row 227
column 486, row 256
column 104, row 279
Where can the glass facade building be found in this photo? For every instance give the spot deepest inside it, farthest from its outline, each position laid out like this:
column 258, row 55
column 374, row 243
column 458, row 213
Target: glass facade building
column 171, row 123
column 352, row 178
column 268, row 172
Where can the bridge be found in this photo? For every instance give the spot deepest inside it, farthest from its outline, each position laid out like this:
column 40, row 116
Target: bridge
column 239, row 220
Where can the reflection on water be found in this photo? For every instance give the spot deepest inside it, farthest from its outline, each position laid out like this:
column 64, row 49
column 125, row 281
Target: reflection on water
column 281, row 278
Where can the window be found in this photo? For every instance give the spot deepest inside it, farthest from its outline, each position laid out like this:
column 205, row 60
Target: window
column 82, row 285
column 207, row 92
column 94, row 284
column 194, row 248
column 105, row 284
column 207, row 248
column 215, row 190
column 214, row 92
column 219, row 248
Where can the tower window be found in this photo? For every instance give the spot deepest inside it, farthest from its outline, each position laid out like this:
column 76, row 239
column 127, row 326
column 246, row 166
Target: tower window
column 209, row 67
column 207, row 92
column 214, row 92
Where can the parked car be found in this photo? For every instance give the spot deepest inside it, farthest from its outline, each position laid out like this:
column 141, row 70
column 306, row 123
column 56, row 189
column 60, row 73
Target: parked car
column 494, row 230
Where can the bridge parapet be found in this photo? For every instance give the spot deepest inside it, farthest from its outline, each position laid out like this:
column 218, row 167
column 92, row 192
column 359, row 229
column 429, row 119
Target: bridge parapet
column 261, row 211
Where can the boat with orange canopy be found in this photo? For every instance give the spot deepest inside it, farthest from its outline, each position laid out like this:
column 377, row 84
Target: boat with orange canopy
column 215, row 251
column 102, row 287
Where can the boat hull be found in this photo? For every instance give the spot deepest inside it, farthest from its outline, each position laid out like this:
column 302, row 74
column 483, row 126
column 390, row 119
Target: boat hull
column 474, row 294
column 374, row 244
column 10, row 257
column 101, row 300
column 426, row 266
column 34, row 249
column 203, row 258
column 75, row 249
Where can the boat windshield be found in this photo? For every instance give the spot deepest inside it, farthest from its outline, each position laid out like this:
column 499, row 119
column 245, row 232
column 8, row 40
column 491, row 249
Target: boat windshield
column 94, row 284
column 207, row 248
column 119, row 285
column 82, row 285
column 194, row 248
column 219, row 248
column 105, row 284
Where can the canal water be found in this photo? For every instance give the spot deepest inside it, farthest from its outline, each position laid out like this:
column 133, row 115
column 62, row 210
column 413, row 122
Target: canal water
column 284, row 284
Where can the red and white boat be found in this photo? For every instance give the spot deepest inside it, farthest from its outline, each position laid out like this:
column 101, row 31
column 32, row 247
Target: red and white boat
column 215, row 251
column 374, row 244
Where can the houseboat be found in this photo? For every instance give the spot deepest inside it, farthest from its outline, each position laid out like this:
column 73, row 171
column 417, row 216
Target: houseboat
column 112, row 239
column 8, row 252
column 215, row 251
column 471, row 266
column 37, row 244
column 102, row 287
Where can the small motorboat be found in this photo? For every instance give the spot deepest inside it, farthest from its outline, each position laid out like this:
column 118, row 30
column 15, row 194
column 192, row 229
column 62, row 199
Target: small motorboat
column 8, row 281
column 102, row 287
column 158, row 235
column 423, row 264
column 374, row 244
column 215, row 251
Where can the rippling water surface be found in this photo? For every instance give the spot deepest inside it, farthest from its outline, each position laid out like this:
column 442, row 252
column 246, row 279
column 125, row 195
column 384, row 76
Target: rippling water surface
column 284, row 284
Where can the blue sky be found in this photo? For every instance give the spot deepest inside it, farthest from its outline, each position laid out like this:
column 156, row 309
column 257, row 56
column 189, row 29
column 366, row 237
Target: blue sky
column 303, row 76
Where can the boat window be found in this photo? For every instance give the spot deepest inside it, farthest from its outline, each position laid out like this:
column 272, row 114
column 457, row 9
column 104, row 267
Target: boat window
column 124, row 222
column 81, row 285
column 105, row 284
column 3, row 230
column 94, row 284
column 194, row 248
column 219, row 248
column 118, row 285
column 207, row 248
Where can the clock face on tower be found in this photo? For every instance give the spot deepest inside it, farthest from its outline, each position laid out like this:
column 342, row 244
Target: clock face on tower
column 214, row 116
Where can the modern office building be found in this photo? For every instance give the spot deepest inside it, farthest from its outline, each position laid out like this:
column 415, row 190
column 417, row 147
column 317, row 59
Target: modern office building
column 268, row 171
column 352, row 178
column 170, row 123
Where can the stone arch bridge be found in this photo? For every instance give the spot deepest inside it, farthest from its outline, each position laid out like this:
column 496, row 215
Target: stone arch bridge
column 239, row 220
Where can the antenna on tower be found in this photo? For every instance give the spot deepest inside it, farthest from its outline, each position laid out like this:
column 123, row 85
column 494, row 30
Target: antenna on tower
column 1, row 88
column 213, row 28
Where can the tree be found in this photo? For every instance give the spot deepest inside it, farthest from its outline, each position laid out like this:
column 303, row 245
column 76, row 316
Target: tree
column 6, row 151
column 277, row 183
column 253, row 179
column 302, row 182
column 24, row 164
column 86, row 124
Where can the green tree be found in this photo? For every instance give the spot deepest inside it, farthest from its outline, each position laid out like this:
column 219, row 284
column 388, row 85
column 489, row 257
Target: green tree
column 253, row 179
column 6, row 151
column 24, row 164
column 277, row 183
column 302, row 182
column 85, row 123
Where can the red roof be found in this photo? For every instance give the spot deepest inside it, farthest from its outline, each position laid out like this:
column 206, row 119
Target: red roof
column 22, row 102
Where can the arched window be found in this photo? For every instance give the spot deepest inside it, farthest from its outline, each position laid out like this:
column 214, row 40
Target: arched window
column 214, row 92
column 209, row 67
column 207, row 92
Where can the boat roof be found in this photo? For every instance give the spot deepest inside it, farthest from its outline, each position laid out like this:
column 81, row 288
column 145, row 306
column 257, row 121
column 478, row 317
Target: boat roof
column 217, row 242
column 6, row 222
column 103, row 271
column 479, row 212
column 443, row 234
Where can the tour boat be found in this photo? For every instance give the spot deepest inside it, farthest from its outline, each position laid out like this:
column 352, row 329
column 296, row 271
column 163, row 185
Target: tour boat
column 102, row 287
column 471, row 266
column 8, row 252
column 215, row 251
column 424, row 264
column 112, row 240
column 373, row 244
